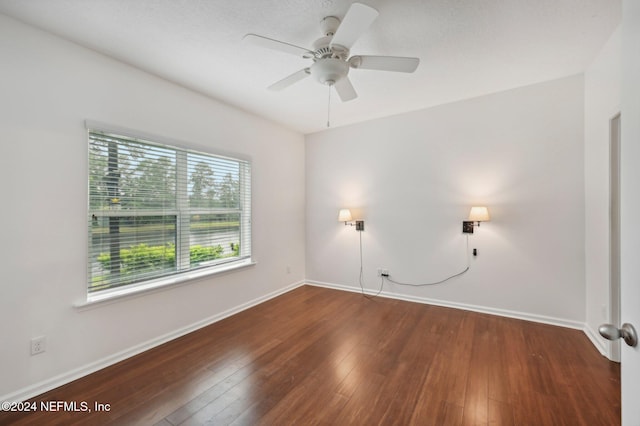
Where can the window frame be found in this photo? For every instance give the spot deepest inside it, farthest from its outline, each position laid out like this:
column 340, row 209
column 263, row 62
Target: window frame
column 182, row 213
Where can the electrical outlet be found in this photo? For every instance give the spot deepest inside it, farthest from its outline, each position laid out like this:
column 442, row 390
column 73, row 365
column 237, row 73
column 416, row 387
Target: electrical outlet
column 383, row 272
column 38, row 345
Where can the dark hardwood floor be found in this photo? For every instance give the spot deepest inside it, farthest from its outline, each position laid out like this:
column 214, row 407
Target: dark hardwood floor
column 320, row 356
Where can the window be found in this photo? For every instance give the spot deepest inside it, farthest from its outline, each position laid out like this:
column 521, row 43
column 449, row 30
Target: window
column 157, row 213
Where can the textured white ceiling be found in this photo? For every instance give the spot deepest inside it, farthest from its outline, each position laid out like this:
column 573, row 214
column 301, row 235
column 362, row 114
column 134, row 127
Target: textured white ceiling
column 467, row 47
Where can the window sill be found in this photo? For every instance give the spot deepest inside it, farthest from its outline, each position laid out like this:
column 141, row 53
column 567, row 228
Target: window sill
column 110, row 296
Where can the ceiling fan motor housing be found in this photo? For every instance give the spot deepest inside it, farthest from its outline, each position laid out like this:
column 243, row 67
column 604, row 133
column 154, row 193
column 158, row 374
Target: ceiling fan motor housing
column 329, row 70
column 322, row 48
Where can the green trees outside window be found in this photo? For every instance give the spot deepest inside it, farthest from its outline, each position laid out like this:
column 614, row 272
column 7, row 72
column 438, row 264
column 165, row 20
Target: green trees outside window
column 156, row 210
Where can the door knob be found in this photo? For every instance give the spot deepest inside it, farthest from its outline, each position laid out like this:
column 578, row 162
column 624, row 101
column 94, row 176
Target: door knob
column 627, row 332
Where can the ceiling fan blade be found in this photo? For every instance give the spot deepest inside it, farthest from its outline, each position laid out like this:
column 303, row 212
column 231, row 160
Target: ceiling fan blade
column 282, row 46
column 290, row 80
column 355, row 22
column 385, row 63
column 345, row 89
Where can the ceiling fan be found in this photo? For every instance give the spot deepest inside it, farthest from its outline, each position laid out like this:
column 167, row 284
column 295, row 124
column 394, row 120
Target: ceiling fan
column 330, row 54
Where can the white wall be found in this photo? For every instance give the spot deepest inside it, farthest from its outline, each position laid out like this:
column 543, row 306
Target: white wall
column 602, row 102
column 413, row 179
column 48, row 88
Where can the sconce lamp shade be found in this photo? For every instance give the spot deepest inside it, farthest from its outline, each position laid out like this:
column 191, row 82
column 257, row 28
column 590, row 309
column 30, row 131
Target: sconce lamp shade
column 479, row 214
column 344, row 215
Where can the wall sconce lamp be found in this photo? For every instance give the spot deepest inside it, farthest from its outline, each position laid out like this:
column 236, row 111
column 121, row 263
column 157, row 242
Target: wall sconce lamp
column 477, row 214
column 345, row 216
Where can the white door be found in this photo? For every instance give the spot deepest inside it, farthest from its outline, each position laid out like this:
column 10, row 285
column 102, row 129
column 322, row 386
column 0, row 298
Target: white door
column 614, row 232
column 630, row 208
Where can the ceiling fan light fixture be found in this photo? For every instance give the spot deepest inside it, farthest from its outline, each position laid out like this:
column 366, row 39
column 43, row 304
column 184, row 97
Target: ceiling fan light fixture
column 328, row 71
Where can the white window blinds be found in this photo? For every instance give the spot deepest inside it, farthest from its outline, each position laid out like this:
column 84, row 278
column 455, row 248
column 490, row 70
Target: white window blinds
column 157, row 210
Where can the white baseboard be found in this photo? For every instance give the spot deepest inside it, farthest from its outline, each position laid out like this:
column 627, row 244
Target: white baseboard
column 475, row 308
column 597, row 341
column 62, row 379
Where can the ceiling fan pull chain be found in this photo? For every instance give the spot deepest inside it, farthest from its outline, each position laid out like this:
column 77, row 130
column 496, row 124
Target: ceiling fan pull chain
column 329, row 109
